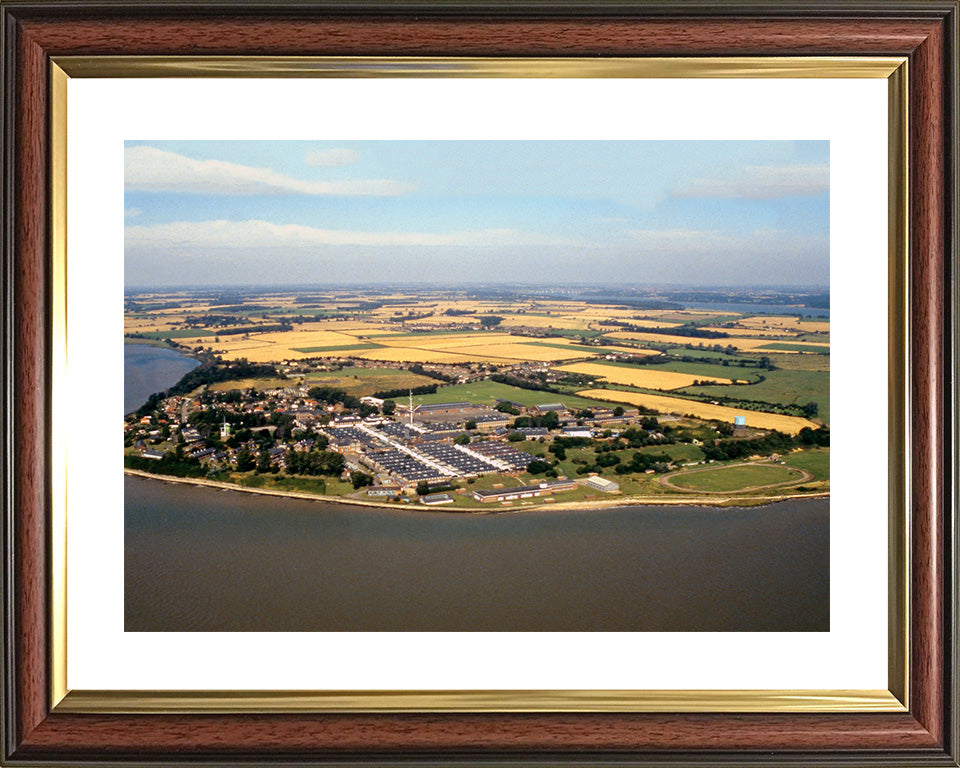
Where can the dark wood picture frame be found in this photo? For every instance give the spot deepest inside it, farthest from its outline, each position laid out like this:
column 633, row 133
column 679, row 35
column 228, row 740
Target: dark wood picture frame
column 925, row 32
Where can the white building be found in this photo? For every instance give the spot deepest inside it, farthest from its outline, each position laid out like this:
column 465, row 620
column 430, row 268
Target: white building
column 602, row 484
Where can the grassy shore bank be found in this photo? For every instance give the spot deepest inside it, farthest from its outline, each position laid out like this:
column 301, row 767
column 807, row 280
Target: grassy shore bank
column 685, row 499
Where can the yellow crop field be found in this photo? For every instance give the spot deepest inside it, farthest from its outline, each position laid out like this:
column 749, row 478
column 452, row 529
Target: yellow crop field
column 740, row 344
column 518, row 352
column 676, row 405
column 606, row 350
column 643, row 323
column 641, row 377
column 540, row 321
column 412, row 355
column 754, row 332
column 451, row 342
column 787, row 323
column 664, row 338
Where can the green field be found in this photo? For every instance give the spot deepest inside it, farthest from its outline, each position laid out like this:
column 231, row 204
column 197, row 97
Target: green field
column 815, row 460
column 488, row 392
column 785, row 387
column 736, row 477
column 358, row 382
column 801, row 362
column 824, row 350
column 709, row 353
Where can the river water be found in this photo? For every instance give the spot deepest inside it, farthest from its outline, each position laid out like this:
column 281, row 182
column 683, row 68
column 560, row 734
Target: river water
column 148, row 369
column 201, row 559
column 759, row 309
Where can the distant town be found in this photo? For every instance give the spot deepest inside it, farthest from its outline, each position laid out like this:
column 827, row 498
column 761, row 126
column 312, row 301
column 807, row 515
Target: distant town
column 481, row 402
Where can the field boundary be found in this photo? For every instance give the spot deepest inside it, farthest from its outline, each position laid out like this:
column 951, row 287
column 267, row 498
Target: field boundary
column 665, row 479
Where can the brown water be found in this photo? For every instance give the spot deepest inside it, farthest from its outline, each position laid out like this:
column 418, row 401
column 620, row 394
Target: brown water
column 199, row 559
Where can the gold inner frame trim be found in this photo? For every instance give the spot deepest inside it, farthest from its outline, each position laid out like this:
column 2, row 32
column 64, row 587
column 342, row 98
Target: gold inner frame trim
column 429, row 66
column 233, row 702
column 893, row 69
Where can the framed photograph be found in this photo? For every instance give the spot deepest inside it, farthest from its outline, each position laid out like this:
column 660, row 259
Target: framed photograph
column 543, row 383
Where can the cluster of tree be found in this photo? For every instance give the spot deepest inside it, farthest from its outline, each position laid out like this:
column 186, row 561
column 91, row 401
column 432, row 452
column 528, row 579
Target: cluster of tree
column 560, row 444
column 490, row 321
column 424, row 488
column 458, row 312
column 539, row 467
column 638, row 437
column 421, row 371
column 549, row 420
column 168, row 465
column 425, row 389
column 317, row 462
column 360, row 480
column 514, row 381
column 505, row 406
column 283, row 326
column 210, row 371
column 820, row 436
column 687, row 329
column 772, row 442
column 807, row 410
column 332, row 396
column 211, row 320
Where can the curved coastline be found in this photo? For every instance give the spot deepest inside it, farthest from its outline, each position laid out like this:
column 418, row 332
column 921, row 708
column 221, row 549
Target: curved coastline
column 618, row 501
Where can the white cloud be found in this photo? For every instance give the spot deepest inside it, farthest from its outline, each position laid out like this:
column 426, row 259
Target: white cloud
column 131, row 213
column 758, row 182
column 331, row 157
column 264, row 234
column 147, row 169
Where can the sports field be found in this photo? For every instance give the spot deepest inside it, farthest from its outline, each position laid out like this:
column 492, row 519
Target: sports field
column 736, row 477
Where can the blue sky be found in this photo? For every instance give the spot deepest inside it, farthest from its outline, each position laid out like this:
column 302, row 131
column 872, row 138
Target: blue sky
column 443, row 213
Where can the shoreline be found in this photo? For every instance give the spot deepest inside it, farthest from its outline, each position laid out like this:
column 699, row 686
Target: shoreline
column 617, row 501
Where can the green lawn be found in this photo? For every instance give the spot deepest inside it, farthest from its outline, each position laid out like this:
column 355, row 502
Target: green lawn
column 735, row 478
column 488, row 392
column 815, row 460
column 784, row 387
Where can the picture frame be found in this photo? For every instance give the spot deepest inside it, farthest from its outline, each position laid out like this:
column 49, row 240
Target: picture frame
column 914, row 722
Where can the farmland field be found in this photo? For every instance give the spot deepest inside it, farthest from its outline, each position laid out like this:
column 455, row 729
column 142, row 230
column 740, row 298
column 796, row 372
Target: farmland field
column 413, row 355
column 358, row 382
column 781, row 386
column 681, row 407
column 529, row 336
column 797, row 346
column 739, row 343
column 488, row 392
column 651, row 377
